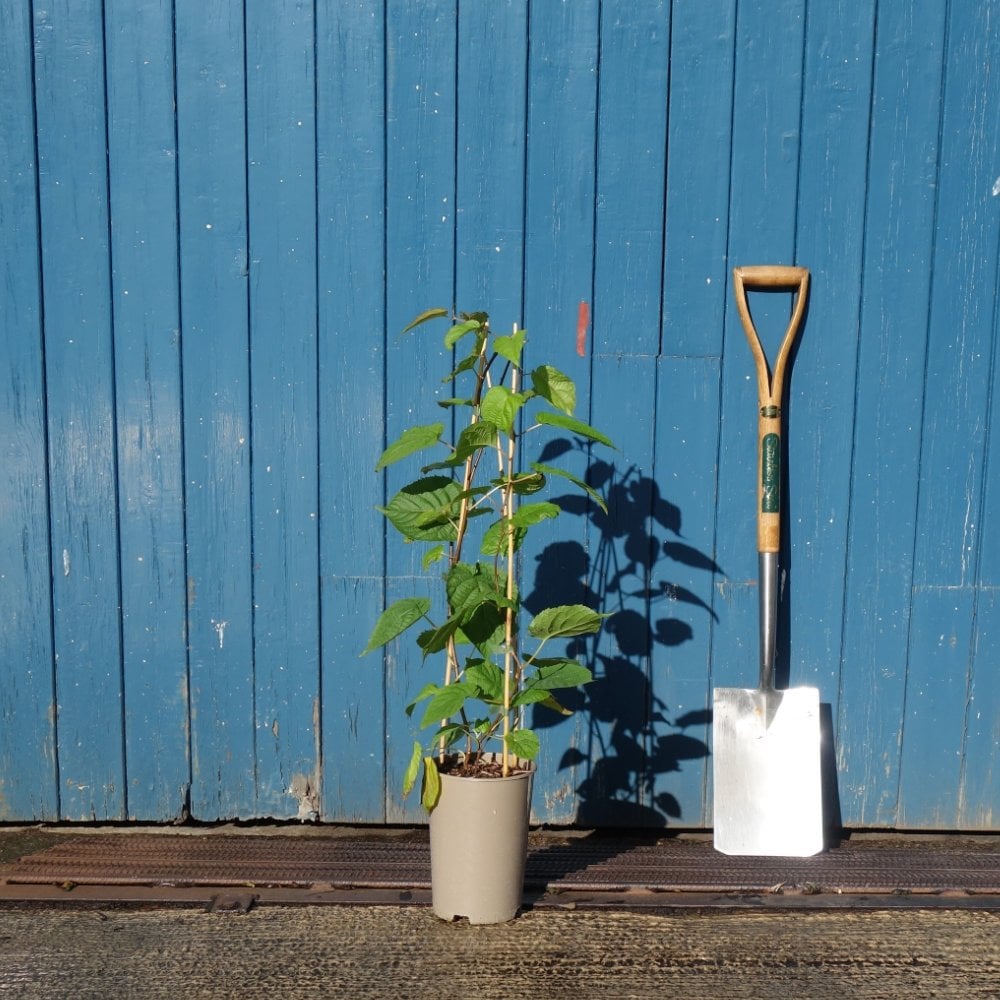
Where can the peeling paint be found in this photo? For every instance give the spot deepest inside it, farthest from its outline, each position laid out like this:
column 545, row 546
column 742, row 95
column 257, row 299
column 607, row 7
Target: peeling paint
column 301, row 789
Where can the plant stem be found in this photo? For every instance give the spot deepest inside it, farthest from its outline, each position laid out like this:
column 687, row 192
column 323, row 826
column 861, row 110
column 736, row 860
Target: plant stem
column 508, row 503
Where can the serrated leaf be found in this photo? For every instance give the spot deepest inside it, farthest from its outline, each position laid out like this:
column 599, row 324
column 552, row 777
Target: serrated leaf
column 574, row 426
column 565, row 621
column 396, row 619
column 551, row 470
column 481, row 434
column 432, row 556
column 447, row 702
column 413, row 439
column 424, row 317
column 523, row 743
column 500, row 406
column 470, row 586
column 555, row 674
column 534, row 513
column 510, row 347
column 488, row 677
column 525, row 484
column 431, row 791
column 495, row 540
column 424, row 510
column 552, row 385
column 412, row 769
column 436, row 639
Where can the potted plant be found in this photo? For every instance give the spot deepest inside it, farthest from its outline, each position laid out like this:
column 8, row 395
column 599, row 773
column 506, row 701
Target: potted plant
column 478, row 764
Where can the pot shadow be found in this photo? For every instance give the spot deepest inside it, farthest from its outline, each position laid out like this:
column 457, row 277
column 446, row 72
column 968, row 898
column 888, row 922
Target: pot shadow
column 632, row 738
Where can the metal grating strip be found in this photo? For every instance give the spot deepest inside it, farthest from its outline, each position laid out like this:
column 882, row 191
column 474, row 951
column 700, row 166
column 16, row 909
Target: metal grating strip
column 594, row 863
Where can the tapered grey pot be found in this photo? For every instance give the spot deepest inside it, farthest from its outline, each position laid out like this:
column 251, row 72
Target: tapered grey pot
column 479, row 843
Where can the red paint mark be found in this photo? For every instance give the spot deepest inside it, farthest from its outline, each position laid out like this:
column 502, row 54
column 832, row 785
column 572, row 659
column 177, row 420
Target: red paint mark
column 582, row 322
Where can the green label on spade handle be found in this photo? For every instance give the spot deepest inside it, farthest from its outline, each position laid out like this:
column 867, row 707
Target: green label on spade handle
column 770, row 474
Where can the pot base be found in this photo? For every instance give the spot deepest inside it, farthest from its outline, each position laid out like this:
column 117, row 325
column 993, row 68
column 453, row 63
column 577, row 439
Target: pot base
column 479, row 843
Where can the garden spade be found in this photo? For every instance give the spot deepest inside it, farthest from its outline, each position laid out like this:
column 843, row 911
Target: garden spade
column 766, row 742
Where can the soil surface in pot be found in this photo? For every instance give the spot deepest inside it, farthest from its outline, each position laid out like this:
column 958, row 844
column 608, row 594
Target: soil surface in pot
column 479, row 766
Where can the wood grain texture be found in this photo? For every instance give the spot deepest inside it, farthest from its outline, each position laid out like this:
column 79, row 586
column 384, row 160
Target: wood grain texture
column 142, row 159
column 214, row 269
column 351, row 163
column 216, row 220
column 281, row 204
column 79, row 367
column 28, row 775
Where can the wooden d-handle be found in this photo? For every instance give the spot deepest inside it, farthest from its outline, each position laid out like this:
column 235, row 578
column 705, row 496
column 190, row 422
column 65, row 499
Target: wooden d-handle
column 770, row 390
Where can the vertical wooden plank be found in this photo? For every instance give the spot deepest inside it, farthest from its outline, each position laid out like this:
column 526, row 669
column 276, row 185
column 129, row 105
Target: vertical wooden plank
column 351, row 190
column 489, row 223
column 561, row 168
column 902, row 167
column 28, row 777
column 953, row 448
column 616, row 787
column 420, row 249
column 282, row 211
column 839, row 47
column 766, row 118
column 682, row 584
column 213, row 267
column 79, row 358
column 979, row 788
column 696, row 275
column 143, row 162
column 628, row 267
column 631, row 160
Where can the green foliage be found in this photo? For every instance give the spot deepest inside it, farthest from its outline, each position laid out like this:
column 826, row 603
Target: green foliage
column 490, row 677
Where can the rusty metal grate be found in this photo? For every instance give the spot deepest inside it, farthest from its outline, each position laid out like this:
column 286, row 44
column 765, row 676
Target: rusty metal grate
column 593, row 863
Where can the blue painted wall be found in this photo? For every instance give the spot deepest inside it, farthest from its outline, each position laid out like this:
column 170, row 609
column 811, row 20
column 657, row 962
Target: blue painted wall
column 216, row 217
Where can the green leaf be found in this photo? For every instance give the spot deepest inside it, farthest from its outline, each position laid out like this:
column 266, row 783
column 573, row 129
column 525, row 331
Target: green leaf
column 500, row 406
column 495, row 540
column 537, row 696
column 470, row 586
column 565, row 621
column 551, row 470
column 431, row 791
column 412, row 770
column 448, row 700
column 526, row 483
column 488, row 677
column 425, row 692
column 411, row 440
column 551, row 675
column 424, row 317
column 481, row 434
column 454, row 401
column 436, row 639
column 432, row 556
column 558, row 389
column 459, row 330
column 510, row 347
column 523, row 743
column 424, row 511
column 449, row 734
column 575, row 426
column 396, row 619
column 534, row 513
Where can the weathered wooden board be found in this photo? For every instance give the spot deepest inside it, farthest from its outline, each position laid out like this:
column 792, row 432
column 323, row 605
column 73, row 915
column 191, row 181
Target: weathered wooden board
column 28, row 767
column 215, row 220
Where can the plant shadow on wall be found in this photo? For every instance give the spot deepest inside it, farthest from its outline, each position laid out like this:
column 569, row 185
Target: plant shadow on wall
column 633, row 737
